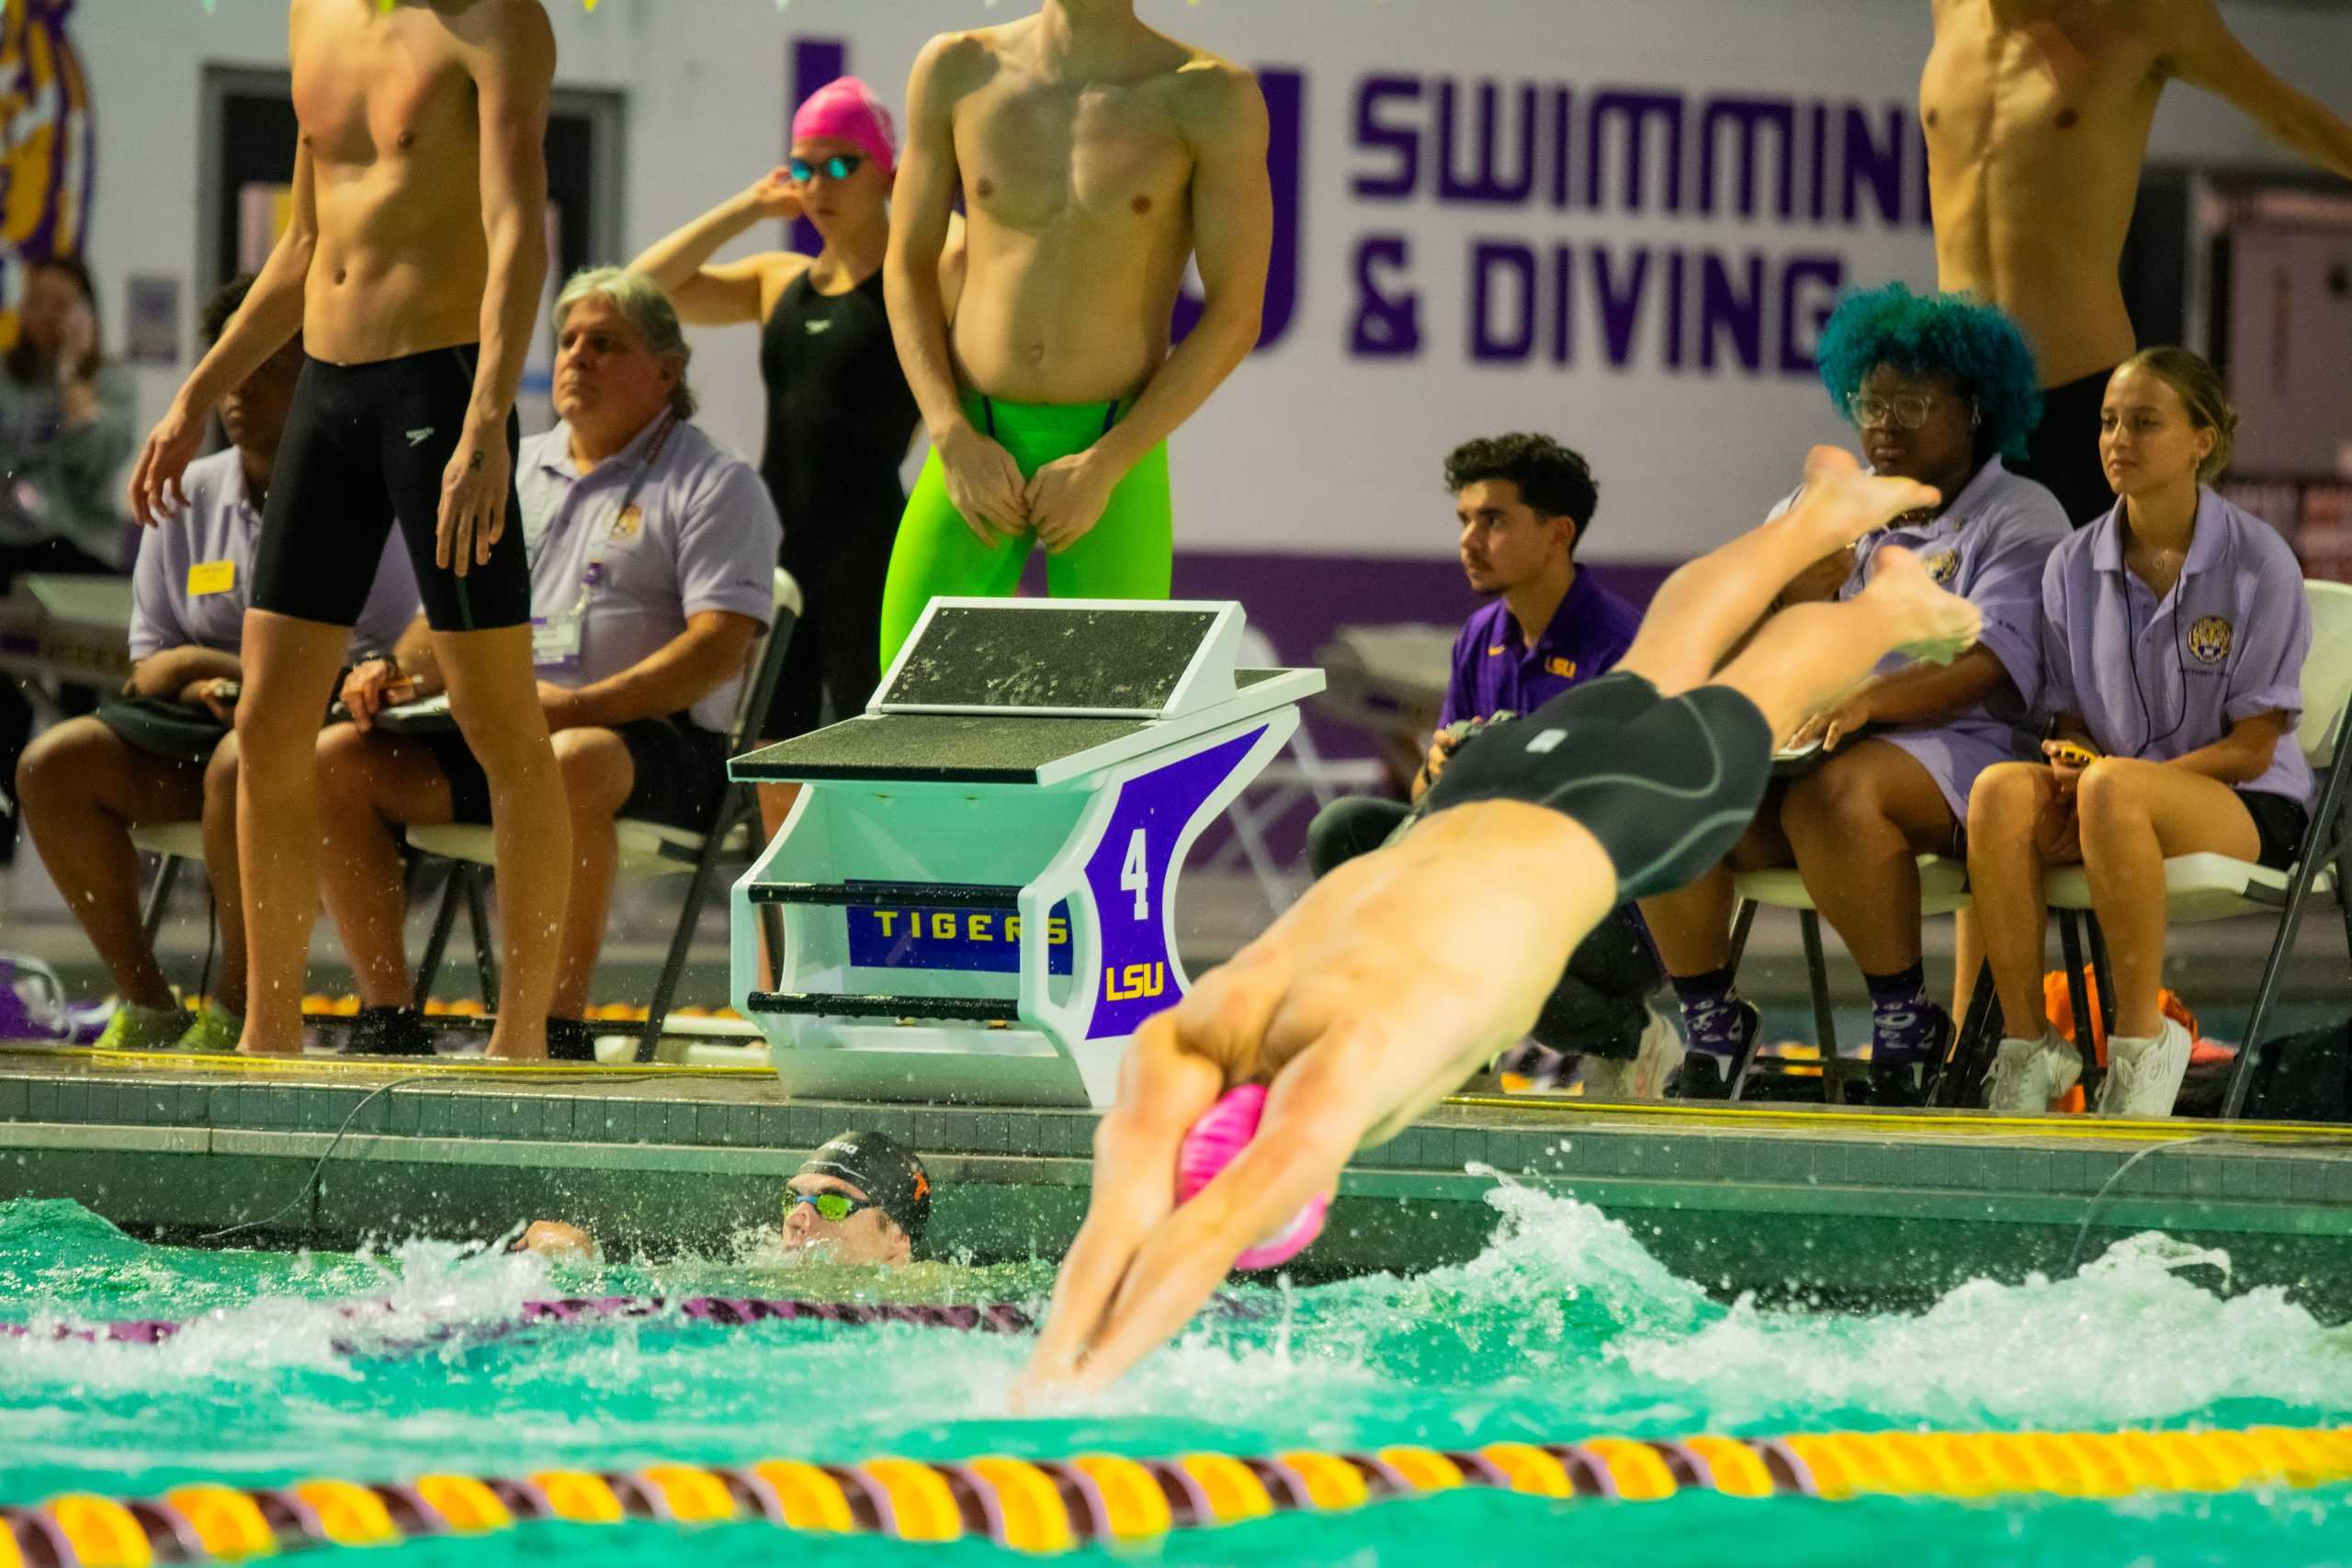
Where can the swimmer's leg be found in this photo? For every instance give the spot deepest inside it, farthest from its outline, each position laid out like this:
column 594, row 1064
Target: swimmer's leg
column 937, row 554
column 1130, row 554
column 1808, row 656
column 1701, row 611
column 289, row 673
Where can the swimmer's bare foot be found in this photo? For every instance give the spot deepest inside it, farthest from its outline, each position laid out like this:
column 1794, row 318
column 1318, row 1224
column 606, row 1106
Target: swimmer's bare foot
column 1929, row 624
column 1840, row 503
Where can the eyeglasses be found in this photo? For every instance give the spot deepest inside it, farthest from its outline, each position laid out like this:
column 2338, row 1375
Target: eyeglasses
column 840, row 166
column 831, row 1207
column 1908, row 411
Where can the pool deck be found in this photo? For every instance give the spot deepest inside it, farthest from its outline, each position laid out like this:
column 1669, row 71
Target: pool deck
column 1829, row 1205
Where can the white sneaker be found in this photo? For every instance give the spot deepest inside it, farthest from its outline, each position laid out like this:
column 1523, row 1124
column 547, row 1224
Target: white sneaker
column 1661, row 1053
column 2028, row 1074
column 2143, row 1076
column 1607, row 1077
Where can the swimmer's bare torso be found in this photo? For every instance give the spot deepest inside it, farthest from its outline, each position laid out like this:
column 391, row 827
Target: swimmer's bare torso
column 2037, row 115
column 1077, row 194
column 2036, row 132
column 391, row 120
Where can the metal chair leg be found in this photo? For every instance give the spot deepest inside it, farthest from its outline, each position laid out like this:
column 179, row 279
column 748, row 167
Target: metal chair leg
column 2103, row 970
column 2070, row 944
column 485, row 946
column 1742, row 921
column 167, row 872
column 445, row 919
column 682, row 940
column 1960, row 1081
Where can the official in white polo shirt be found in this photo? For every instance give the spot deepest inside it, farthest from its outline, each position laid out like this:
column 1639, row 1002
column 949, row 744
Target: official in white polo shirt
column 163, row 750
column 2173, row 634
column 653, row 568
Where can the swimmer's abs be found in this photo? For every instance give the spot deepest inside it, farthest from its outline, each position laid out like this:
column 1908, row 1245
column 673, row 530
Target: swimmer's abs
column 1032, row 331
column 366, row 303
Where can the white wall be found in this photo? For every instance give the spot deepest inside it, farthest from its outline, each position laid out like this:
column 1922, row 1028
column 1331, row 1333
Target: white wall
column 1308, row 448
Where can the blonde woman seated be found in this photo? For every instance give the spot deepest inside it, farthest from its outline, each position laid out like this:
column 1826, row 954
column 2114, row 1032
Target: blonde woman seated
column 2174, row 633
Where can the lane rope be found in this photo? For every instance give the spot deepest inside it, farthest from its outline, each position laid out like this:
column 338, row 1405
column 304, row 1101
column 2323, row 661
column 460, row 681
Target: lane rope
column 1043, row 1506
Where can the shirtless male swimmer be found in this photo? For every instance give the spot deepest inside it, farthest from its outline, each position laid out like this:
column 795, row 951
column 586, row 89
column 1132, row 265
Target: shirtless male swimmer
column 1095, row 158
column 1402, row 973
column 2037, row 116
column 413, row 266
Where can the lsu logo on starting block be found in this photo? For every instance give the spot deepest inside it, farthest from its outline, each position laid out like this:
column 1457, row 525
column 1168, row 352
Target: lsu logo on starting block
column 1135, row 982
column 964, row 940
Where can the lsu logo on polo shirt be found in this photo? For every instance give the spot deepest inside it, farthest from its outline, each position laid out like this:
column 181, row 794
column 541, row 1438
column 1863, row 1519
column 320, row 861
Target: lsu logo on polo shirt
column 1565, row 668
column 1943, row 567
column 2209, row 637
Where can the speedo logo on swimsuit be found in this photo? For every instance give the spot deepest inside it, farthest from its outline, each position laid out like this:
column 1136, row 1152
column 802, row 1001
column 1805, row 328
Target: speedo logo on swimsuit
column 419, row 437
column 1549, row 741
column 815, row 327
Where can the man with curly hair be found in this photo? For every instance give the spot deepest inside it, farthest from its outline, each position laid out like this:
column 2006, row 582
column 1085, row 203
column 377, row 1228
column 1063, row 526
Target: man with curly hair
column 1942, row 390
column 2037, row 115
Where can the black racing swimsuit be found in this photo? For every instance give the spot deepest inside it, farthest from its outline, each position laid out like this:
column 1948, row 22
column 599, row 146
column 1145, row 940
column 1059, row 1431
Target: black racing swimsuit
column 840, row 422
column 1667, row 785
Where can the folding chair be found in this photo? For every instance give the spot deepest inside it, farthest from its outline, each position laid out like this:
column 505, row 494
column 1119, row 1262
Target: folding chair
column 1943, row 888
column 1301, row 775
column 646, row 849
column 2202, row 887
column 175, row 844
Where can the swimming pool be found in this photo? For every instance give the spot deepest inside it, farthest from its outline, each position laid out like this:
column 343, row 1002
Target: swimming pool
column 1563, row 1327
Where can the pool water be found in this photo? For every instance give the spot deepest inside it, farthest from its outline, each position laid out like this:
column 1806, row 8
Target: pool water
column 1563, row 1327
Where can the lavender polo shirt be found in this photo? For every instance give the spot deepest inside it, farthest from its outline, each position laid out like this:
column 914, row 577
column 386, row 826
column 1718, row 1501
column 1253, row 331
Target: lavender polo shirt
column 2161, row 680
column 1988, row 546
column 704, row 536
column 1494, row 668
column 222, row 525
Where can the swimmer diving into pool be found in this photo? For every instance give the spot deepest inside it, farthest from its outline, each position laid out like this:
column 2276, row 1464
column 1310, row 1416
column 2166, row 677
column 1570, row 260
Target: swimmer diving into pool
column 1376, row 994
column 1095, row 157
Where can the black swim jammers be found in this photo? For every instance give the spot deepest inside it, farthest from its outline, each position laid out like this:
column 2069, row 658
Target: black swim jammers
column 1667, row 785
column 367, row 445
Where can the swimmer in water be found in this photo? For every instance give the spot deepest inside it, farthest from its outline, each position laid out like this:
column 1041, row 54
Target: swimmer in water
column 864, row 1198
column 1401, row 974
column 1095, row 158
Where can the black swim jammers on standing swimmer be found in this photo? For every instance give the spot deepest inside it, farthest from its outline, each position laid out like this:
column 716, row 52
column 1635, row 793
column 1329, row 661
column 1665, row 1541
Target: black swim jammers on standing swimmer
column 1667, row 785
column 366, row 446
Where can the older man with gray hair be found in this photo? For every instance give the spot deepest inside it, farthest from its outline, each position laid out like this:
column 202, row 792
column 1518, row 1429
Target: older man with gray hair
column 653, row 554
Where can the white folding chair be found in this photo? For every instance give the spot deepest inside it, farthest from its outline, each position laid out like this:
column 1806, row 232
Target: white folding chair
column 2203, row 887
column 646, row 849
column 1300, row 775
column 1943, row 888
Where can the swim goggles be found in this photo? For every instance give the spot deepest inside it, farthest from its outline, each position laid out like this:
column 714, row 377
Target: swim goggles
column 831, row 1207
column 840, row 166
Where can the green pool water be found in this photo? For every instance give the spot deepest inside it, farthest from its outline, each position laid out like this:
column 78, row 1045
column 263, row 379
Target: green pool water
column 1562, row 1327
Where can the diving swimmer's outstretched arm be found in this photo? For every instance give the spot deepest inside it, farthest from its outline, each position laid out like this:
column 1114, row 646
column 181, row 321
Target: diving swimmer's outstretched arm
column 2198, row 46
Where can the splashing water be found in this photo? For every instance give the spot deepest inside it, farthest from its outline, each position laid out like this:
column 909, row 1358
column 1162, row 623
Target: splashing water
column 1563, row 1327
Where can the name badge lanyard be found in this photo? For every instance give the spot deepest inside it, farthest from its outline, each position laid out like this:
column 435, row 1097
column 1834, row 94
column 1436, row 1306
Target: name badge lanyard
column 593, row 578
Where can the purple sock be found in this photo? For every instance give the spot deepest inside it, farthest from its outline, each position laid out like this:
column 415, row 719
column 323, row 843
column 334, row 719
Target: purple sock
column 1717, row 1020
column 1904, row 1023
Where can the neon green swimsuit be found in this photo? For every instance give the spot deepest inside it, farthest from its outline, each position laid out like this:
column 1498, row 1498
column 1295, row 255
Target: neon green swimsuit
column 1127, row 554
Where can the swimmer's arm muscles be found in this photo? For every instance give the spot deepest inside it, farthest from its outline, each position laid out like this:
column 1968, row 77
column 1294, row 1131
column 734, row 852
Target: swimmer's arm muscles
column 1233, row 227
column 513, row 83
column 671, row 679
column 2200, row 47
column 1309, row 1131
column 921, row 209
column 273, row 309
column 731, row 293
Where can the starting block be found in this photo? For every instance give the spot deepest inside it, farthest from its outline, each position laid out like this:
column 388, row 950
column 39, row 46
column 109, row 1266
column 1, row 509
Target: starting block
column 977, row 885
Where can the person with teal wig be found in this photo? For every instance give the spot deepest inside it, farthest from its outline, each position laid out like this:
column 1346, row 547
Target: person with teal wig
column 1942, row 390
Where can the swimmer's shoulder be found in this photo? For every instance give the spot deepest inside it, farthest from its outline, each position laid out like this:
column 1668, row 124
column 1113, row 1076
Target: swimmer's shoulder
column 513, row 37
column 1213, row 100
column 956, row 65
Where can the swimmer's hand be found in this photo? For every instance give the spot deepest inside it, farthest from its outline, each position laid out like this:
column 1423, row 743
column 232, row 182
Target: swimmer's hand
column 985, row 484
column 553, row 1238
column 473, row 499
column 155, row 492
column 1834, row 727
column 1067, row 497
column 774, row 195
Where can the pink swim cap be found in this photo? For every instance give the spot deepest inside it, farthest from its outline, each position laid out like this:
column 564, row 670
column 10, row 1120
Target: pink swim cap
column 845, row 109
column 1214, row 1142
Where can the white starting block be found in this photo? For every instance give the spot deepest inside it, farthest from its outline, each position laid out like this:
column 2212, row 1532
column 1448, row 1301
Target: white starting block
column 977, row 882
